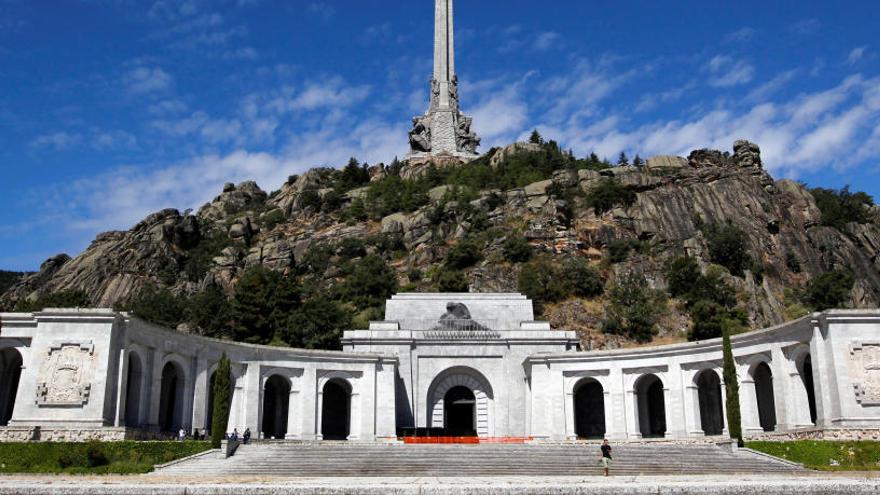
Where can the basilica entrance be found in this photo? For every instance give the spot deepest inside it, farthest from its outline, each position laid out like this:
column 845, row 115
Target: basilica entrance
column 460, row 412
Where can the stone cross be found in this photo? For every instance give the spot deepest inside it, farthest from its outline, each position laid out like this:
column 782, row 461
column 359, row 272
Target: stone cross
column 444, row 130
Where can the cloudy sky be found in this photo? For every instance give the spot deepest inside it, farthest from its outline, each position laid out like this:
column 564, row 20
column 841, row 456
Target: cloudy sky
column 112, row 109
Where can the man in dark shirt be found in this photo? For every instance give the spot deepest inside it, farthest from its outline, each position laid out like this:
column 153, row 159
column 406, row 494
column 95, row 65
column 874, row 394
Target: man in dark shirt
column 605, row 460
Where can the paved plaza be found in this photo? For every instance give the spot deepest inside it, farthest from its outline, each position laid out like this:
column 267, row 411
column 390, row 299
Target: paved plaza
column 801, row 484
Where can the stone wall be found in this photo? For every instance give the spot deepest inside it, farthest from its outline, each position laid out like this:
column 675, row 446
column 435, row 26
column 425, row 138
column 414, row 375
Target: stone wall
column 835, row 434
column 105, row 434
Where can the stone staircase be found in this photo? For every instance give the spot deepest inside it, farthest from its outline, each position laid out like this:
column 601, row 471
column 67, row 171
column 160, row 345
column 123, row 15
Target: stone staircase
column 331, row 459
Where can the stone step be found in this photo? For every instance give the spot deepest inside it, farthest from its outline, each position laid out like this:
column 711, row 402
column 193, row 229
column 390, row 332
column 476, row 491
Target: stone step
column 349, row 460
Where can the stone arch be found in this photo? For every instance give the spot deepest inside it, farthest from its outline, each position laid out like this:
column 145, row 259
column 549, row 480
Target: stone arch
column 764, row 396
column 710, row 402
column 589, row 408
column 171, row 396
column 10, row 374
column 276, row 404
column 336, row 409
column 651, row 405
column 134, row 389
column 461, row 376
column 803, row 363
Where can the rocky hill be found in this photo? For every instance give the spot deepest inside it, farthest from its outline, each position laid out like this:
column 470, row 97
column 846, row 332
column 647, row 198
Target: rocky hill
column 622, row 219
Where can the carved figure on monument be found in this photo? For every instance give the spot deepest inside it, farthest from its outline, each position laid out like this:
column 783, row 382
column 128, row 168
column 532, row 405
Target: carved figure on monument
column 453, row 93
column 420, row 135
column 465, row 138
column 64, row 376
column 458, row 318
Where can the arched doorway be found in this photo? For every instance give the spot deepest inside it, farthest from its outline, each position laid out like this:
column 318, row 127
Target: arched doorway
column 711, row 408
column 133, row 390
column 10, row 374
column 276, row 399
column 806, row 372
column 764, row 396
column 651, row 406
column 589, row 409
column 475, row 383
column 460, row 412
column 171, row 398
column 336, row 410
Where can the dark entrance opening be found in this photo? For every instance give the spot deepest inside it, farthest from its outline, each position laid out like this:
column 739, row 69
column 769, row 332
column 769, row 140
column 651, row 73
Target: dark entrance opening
column 171, row 399
column 460, row 412
column 336, row 410
column 276, row 398
column 711, row 409
column 807, row 378
column 589, row 409
column 652, row 406
column 764, row 395
column 133, row 391
column 10, row 373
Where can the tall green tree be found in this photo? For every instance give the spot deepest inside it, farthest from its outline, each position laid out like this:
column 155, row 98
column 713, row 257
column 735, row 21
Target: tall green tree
column 222, row 398
column 262, row 304
column 158, row 305
column 731, row 385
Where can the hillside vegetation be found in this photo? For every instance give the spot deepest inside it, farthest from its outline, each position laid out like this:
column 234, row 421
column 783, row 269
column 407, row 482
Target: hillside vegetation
column 650, row 251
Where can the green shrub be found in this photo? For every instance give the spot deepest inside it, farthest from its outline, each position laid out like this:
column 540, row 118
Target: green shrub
column 371, row 282
column 728, row 247
column 222, row 394
column 200, row 258
column 414, row 275
column 463, row 255
column 208, row 311
column 351, row 247
column 543, row 282
column 792, row 262
column 451, row 281
column 310, row 198
column 819, row 454
column 619, row 250
column 583, row 280
column 840, row 207
column 517, row 249
column 8, row 279
column 634, row 309
column 608, row 194
column 60, row 299
column 92, row 457
column 158, row 305
column 271, row 219
column 262, row 303
column 829, row 290
column 318, row 324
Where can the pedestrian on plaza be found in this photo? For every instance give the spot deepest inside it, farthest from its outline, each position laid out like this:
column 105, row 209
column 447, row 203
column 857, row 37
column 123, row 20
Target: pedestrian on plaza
column 246, row 436
column 605, row 458
column 181, row 435
column 234, row 436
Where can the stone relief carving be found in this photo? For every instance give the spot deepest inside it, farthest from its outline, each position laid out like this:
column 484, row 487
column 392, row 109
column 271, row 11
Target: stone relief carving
column 865, row 372
column 65, row 376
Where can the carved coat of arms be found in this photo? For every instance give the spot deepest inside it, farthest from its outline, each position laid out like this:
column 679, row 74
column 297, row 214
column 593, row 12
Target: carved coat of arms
column 66, row 375
column 865, row 372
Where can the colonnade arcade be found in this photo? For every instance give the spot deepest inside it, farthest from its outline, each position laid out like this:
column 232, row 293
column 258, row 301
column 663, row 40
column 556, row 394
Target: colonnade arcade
column 703, row 396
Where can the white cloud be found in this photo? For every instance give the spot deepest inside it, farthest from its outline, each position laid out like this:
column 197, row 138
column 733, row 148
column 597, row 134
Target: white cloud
column 321, row 9
column 805, row 27
column 146, row 80
column 545, row 41
column 740, row 35
column 771, row 87
column 856, row 55
column 724, row 71
column 55, row 141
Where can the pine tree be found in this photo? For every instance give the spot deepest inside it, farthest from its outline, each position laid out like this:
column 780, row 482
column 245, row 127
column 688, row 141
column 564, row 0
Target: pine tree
column 638, row 162
column 222, row 399
column 731, row 384
column 622, row 160
column 536, row 138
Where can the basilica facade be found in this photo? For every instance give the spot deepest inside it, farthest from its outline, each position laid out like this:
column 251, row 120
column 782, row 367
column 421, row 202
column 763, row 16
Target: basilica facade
column 440, row 365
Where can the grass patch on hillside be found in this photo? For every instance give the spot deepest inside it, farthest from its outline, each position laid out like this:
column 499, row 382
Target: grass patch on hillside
column 824, row 454
column 93, row 457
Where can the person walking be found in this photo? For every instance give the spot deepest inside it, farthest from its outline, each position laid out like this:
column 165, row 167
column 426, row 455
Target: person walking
column 181, row 435
column 605, row 459
column 246, row 436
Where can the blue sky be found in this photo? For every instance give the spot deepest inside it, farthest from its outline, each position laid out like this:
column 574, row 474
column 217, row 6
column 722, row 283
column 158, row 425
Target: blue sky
column 112, row 109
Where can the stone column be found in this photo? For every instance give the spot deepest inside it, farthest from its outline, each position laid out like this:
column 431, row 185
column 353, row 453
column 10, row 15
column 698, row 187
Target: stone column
column 155, row 388
column 386, row 427
column 674, row 399
column 781, row 389
column 821, row 377
column 748, row 405
column 692, row 410
column 121, row 389
column 541, row 423
column 200, row 394
column 309, row 397
column 616, row 406
column 253, row 398
column 294, row 419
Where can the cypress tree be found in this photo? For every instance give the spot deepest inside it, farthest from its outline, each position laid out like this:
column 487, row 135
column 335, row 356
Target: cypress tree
column 222, row 386
column 731, row 384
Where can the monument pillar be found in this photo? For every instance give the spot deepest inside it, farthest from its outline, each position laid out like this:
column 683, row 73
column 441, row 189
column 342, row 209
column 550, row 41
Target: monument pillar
column 444, row 130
